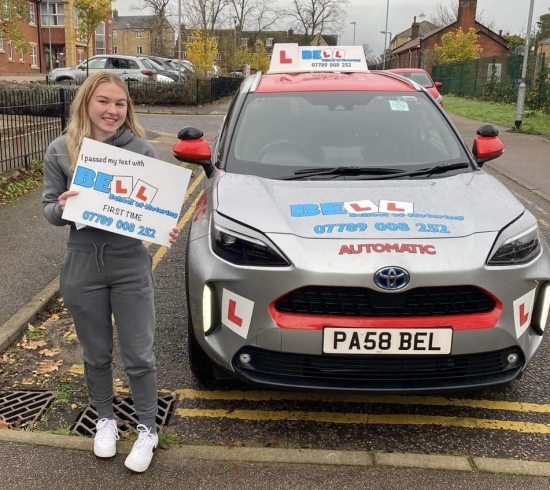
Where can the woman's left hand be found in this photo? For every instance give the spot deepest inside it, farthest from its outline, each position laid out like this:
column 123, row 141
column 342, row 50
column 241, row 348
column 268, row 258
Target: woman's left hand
column 173, row 235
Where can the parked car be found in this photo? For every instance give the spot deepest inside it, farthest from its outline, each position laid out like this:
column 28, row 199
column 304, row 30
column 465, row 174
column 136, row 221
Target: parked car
column 187, row 67
column 127, row 67
column 349, row 240
column 162, row 68
column 423, row 78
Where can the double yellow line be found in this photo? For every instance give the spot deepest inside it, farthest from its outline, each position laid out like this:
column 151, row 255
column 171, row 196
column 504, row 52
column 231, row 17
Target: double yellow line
column 364, row 418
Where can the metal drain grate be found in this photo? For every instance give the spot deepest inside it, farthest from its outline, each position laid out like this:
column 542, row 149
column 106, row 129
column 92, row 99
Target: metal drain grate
column 126, row 416
column 22, row 409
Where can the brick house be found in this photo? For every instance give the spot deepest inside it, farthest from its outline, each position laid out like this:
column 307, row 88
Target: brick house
column 52, row 32
column 141, row 34
column 419, row 51
column 12, row 60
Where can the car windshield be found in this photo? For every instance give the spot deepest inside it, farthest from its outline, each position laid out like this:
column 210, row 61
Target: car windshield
column 418, row 77
column 278, row 134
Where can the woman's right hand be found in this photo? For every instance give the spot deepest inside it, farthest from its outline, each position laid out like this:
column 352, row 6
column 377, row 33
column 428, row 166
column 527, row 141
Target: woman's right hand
column 62, row 199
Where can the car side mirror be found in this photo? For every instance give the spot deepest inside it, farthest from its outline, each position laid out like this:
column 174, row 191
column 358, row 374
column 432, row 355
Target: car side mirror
column 438, row 84
column 193, row 148
column 487, row 145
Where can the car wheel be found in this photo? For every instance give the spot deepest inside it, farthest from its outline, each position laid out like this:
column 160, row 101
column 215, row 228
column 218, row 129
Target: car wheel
column 65, row 80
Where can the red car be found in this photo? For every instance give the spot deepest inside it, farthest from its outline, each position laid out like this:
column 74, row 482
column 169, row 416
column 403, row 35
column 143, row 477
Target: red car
column 422, row 78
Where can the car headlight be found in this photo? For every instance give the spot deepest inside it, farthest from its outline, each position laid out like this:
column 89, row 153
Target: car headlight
column 521, row 248
column 439, row 99
column 245, row 248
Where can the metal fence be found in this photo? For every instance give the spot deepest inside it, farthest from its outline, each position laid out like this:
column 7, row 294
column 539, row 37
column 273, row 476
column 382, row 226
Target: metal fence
column 33, row 115
column 471, row 78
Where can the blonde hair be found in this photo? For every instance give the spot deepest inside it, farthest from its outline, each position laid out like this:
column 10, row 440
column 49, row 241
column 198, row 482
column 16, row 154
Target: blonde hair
column 80, row 126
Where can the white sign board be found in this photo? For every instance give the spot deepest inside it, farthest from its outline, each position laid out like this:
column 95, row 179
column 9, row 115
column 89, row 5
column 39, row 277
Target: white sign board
column 126, row 192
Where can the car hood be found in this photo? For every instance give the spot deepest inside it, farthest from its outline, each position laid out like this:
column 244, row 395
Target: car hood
column 455, row 206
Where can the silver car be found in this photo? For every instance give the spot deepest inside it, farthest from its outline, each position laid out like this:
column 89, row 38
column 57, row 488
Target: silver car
column 349, row 240
column 127, row 67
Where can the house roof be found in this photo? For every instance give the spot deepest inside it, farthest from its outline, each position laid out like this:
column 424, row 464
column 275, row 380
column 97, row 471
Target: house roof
column 424, row 28
column 132, row 21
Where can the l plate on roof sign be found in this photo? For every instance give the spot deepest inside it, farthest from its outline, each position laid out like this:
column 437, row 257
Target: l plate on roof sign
column 291, row 58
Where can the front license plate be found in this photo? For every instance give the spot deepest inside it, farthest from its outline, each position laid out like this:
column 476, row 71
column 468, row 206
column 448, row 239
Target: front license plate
column 387, row 340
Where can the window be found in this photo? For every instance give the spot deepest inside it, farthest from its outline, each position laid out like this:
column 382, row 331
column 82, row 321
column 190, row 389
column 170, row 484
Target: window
column 269, row 42
column 52, row 14
column 189, row 39
column 139, row 34
column 21, row 55
column 244, row 42
column 216, row 40
column 115, row 34
column 34, row 56
column 80, row 57
column 10, row 52
column 100, row 39
column 115, row 49
column 1, row 44
column 32, row 16
column 139, row 50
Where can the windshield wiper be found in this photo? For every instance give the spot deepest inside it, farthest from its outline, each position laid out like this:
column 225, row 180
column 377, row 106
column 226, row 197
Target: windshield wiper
column 314, row 171
column 438, row 169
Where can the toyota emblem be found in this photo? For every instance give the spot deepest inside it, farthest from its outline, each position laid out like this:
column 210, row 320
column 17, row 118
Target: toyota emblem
column 391, row 278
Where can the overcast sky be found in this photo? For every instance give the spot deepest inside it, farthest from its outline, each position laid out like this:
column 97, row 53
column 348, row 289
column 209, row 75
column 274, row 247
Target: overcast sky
column 509, row 15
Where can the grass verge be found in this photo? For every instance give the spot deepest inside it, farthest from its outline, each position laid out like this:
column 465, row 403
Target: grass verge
column 497, row 113
column 19, row 183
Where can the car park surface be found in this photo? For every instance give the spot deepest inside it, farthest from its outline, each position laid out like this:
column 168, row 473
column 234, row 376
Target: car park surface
column 326, row 253
column 422, row 78
column 127, row 67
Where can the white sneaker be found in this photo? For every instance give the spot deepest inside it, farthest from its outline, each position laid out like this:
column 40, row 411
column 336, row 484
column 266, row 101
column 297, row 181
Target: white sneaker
column 141, row 454
column 106, row 435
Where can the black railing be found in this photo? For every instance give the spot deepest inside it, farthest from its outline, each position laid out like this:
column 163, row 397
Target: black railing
column 33, row 115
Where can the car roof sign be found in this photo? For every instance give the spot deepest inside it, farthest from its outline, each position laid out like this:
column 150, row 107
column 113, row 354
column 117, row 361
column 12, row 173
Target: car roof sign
column 291, row 58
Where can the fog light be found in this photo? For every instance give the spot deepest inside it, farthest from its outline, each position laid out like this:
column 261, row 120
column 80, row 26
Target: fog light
column 540, row 312
column 512, row 358
column 207, row 308
column 245, row 358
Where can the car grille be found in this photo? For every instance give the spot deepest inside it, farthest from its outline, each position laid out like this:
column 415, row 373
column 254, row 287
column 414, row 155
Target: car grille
column 364, row 302
column 378, row 373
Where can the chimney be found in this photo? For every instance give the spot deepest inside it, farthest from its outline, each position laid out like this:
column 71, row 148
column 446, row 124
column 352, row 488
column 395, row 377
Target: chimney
column 500, row 32
column 290, row 33
column 466, row 14
column 415, row 27
column 115, row 14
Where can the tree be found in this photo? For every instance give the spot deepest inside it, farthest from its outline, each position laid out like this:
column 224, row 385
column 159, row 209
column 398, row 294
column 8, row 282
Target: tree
column 514, row 41
column 202, row 52
column 161, row 11
column 458, row 46
column 12, row 13
column 90, row 14
column 369, row 54
column 313, row 17
column 544, row 27
column 447, row 14
column 205, row 15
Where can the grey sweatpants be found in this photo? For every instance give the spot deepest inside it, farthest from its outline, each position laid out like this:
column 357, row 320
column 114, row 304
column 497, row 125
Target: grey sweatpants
column 94, row 286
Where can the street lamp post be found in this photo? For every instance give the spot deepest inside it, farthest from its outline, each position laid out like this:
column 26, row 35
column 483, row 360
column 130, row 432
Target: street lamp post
column 522, row 87
column 354, row 24
column 386, row 49
column 385, row 32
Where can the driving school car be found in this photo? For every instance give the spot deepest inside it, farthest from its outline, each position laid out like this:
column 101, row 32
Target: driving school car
column 347, row 239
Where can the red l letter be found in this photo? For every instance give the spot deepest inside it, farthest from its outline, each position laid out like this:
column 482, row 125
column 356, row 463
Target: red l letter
column 232, row 316
column 119, row 188
column 141, row 193
column 523, row 316
column 283, row 58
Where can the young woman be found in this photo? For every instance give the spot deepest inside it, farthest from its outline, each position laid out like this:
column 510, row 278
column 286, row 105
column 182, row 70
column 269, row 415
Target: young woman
column 105, row 274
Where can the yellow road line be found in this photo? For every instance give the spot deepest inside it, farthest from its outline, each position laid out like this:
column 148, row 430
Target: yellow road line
column 162, row 251
column 355, row 418
column 187, row 394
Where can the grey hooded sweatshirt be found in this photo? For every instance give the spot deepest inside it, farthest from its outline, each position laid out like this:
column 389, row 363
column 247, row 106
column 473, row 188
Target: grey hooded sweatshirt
column 57, row 179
